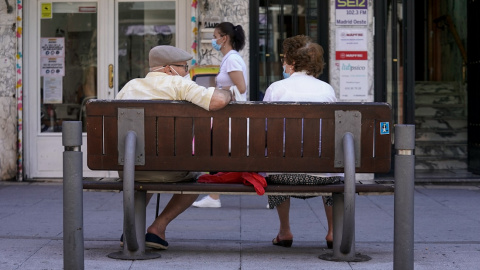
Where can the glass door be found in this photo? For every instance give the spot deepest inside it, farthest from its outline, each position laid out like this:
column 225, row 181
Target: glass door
column 79, row 51
column 278, row 20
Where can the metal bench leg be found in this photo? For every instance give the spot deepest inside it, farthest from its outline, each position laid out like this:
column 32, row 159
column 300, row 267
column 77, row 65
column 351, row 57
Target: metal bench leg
column 344, row 211
column 133, row 210
column 157, row 209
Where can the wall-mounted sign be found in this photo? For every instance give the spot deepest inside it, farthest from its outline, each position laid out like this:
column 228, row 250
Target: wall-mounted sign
column 46, row 10
column 353, row 79
column 351, row 39
column 52, row 90
column 351, row 12
column 52, row 66
column 52, row 47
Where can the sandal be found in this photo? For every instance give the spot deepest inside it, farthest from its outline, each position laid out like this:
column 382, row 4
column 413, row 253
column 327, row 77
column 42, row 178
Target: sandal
column 283, row 243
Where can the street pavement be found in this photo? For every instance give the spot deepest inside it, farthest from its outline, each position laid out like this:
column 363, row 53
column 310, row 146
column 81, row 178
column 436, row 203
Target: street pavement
column 238, row 235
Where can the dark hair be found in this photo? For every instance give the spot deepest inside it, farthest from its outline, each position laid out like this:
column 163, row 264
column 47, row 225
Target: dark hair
column 236, row 34
column 304, row 54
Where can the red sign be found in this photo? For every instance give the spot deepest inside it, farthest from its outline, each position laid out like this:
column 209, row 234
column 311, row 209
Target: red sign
column 351, row 55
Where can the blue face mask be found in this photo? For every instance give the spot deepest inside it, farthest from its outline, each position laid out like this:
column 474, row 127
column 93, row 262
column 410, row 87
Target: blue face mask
column 285, row 75
column 215, row 45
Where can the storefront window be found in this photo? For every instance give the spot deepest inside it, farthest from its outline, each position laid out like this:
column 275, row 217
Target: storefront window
column 68, row 61
column 142, row 26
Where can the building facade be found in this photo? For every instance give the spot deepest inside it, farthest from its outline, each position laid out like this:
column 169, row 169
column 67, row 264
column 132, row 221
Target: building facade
column 57, row 55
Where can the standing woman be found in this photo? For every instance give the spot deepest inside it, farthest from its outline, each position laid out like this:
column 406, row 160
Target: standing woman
column 229, row 40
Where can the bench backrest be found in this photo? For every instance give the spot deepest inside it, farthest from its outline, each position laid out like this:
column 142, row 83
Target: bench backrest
column 267, row 137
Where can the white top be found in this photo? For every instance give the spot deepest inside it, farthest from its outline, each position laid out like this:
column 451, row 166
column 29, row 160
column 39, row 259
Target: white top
column 159, row 85
column 232, row 61
column 302, row 88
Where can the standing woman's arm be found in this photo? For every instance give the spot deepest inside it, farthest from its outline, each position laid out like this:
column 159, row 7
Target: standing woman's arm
column 238, row 80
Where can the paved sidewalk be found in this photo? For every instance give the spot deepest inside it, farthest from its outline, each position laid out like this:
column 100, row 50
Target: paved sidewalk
column 238, row 235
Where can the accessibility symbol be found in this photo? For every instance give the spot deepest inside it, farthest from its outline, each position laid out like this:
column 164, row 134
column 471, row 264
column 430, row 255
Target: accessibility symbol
column 384, row 128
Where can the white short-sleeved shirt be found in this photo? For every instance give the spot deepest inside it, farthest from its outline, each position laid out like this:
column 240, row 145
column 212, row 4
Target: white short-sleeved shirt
column 232, row 61
column 159, row 85
column 302, row 88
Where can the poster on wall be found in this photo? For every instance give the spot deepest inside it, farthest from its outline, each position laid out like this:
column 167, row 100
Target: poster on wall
column 351, row 12
column 353, row 79
column 52, row 47
column 52, row 90
column 46, row 10
column 351, row 39
column 52, row 66
column 352, row 56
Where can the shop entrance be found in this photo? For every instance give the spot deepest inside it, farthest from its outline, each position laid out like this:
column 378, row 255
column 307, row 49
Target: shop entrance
column 77, row 51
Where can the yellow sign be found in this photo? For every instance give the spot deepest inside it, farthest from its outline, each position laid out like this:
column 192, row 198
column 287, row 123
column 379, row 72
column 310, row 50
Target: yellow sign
column 46, row 10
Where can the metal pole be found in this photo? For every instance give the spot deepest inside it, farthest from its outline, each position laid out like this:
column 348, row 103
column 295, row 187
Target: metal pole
column 72, row 195
column 129, row 192
column 133, row 209
column 347, row 246
column 344, row 211
column 403, row 241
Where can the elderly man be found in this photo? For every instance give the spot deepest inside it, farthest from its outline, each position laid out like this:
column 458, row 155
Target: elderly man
column 165, row 81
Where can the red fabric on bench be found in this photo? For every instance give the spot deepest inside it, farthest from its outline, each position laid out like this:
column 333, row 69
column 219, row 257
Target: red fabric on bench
column 247, row 178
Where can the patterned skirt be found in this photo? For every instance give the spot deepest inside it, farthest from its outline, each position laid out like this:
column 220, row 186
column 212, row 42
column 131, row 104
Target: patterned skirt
column 298, row 179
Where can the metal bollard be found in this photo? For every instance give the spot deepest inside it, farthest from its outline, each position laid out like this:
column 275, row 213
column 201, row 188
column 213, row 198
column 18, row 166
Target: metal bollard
column 73, row 257
column 403, row 242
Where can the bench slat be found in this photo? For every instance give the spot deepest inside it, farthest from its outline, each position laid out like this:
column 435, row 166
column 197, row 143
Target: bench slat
column 275, row 137
column 151, row 136
column 219, row 136
column 311, row 137
column 183, row 137
column 293, row 138
column 239, row 135
column 202, row 128
column 166, row 137
column 257, row 137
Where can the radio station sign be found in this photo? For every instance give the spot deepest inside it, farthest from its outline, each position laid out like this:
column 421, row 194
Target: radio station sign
column 351, row 12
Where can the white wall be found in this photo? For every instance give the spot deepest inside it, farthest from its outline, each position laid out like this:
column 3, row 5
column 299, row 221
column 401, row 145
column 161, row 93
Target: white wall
column 8, row 112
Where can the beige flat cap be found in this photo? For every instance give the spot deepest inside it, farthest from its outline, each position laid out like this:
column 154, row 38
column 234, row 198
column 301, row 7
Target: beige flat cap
column 164, row 54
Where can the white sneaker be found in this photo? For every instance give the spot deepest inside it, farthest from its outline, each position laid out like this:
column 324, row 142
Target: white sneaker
column 207, row 201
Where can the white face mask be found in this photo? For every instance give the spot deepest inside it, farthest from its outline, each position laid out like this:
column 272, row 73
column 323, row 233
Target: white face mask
column 187, row 77
column 175, row 71
column 153, row 70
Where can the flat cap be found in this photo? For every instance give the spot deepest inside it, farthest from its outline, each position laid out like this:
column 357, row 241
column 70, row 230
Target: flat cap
column 164, row 54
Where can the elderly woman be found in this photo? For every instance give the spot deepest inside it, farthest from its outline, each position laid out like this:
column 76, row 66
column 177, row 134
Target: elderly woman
column 302, row 63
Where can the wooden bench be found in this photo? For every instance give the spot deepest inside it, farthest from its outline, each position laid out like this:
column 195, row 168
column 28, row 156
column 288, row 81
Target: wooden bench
column 289, row 137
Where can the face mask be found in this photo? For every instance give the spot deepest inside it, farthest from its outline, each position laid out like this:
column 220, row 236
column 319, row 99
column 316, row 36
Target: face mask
column 153, row 70
column 285, row 75
column 175, row 71
column 187, row 77
column 215, row 45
